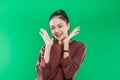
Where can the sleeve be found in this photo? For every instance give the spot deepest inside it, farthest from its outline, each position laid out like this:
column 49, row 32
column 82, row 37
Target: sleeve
column 43, row 69
column 71, row 64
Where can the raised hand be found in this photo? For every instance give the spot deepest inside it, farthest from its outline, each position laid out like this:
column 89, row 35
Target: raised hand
column 48, row 41
column 72, row 34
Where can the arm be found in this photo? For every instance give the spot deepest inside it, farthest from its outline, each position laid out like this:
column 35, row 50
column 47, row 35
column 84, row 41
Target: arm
column 43, row 65
column 71, row 64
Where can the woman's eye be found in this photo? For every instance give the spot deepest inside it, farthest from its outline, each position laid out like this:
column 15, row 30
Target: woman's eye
column 52, row 28
column 60, row 26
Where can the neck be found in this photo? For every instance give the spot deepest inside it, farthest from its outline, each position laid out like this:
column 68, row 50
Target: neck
column 60, row 42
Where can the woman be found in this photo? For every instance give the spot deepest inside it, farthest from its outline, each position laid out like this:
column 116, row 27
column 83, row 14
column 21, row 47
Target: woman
column 61, row 57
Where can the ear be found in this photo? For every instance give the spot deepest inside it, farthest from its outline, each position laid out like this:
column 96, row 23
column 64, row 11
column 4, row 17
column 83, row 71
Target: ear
column 68, row 26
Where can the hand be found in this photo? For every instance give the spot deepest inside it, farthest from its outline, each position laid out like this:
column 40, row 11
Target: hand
column 48, row 41
column 37, row 78
column 72, row 34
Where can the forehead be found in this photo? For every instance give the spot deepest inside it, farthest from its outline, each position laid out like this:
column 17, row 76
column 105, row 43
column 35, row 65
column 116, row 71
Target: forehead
column 56, row 21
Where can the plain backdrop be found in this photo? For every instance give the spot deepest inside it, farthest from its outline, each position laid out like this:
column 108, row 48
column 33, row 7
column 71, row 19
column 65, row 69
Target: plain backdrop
column 20, row 42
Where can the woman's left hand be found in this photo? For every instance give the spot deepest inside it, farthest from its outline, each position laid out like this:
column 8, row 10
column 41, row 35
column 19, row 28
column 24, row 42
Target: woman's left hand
column 72, row 34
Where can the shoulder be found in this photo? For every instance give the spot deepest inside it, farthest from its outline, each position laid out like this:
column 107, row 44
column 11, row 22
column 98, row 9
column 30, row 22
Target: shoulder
column 79, row 43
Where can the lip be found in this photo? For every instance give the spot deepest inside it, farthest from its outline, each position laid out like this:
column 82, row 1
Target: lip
column 58, row 36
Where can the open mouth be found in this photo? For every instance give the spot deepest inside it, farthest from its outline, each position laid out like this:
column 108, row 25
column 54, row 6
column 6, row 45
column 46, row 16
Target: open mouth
column 58, row 35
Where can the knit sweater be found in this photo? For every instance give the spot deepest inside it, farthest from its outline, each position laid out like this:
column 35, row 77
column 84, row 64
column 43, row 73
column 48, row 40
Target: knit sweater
column 60, row 68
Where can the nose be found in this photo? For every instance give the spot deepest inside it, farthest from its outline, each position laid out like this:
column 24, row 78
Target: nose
column 56, row 30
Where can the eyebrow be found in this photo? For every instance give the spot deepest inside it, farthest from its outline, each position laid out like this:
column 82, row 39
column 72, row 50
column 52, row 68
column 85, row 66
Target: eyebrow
column 57, row 24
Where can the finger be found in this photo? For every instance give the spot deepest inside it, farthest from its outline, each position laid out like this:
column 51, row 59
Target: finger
column 42, row 36
column 44, row 33
column 43, row 30
column 78, row 27
column 52, row 39
column 76, row 33
column 77, row 30
column 46, row 36
column 73, row 35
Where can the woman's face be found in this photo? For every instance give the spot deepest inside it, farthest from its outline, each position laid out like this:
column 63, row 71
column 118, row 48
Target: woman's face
column 59, row 28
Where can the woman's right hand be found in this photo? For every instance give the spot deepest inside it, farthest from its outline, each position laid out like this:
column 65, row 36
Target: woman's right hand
column 48, row 41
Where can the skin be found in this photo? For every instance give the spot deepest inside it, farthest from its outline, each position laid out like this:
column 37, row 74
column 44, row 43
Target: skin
column 59, row 29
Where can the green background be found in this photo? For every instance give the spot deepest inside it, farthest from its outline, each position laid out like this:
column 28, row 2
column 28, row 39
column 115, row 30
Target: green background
column 20, row 42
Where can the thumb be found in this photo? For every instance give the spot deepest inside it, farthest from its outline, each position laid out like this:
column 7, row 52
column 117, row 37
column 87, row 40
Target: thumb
column 52, row 39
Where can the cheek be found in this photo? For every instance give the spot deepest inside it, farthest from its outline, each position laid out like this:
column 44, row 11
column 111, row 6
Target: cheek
column 65, row 30
column 52, row 31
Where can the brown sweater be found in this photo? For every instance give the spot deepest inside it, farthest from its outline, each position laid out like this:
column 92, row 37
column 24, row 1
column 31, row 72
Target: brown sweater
column 59, row 68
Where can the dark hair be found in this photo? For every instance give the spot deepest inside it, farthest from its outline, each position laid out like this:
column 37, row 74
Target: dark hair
column 61, row 14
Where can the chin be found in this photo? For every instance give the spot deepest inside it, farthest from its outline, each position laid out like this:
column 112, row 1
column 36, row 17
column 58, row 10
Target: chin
column 59, row 39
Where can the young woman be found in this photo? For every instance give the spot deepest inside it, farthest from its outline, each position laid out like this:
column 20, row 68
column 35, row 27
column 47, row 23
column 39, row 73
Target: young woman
column 60, row 57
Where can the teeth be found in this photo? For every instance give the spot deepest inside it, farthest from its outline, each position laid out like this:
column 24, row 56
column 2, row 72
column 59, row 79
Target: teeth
column 58, row 35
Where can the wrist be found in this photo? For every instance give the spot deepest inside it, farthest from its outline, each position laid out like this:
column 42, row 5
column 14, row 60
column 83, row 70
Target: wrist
column 65, row 43
column 66, row 51
column 47, row 49
column 66, row 48
column 48, row 46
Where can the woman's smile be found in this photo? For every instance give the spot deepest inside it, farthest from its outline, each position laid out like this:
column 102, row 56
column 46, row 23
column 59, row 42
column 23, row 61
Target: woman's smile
column 59, row 28
column 59, row 35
